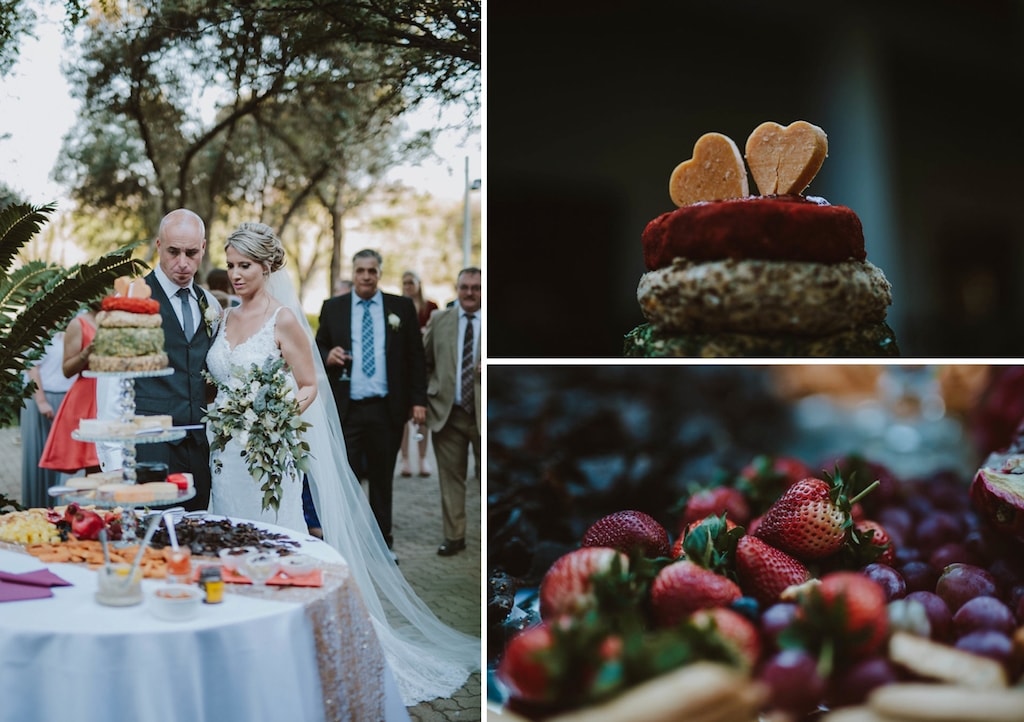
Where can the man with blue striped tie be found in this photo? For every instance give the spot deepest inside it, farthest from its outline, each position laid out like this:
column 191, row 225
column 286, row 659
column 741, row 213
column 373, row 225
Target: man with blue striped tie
column 373, row 351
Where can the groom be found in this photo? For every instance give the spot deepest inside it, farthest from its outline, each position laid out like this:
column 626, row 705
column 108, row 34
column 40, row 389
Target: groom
column 385, row 384
column 180, row 245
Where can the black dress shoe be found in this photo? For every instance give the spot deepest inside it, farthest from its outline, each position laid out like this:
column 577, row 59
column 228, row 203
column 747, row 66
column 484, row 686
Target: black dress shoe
column 451, row 546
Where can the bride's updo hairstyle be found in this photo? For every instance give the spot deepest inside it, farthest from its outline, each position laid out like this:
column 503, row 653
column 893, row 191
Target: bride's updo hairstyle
column 258, row 242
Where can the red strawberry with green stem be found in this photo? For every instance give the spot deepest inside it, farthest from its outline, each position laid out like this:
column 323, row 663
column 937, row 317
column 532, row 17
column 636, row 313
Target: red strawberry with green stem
column 735, row 629
column 558, row 665
column 841, row 619
column 764, row 571
column 683, row 587
column 568, row 587
column 766, row 478
column 716, row 500
column 812, row 519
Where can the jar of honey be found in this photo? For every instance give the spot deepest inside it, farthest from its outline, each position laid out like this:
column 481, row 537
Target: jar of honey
column 212, row 582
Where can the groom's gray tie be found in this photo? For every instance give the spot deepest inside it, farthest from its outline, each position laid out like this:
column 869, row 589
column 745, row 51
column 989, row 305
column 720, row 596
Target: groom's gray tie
column 187, row 323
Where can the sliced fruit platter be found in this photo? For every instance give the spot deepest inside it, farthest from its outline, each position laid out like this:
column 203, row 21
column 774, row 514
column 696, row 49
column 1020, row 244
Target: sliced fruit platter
column 785, row 593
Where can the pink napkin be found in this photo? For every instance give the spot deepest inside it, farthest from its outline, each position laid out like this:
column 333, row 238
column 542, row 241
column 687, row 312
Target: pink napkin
column 12, row 592
column 37, row 578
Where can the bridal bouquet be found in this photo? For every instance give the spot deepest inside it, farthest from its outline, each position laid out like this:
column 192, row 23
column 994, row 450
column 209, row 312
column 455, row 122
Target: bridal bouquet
column 257, row 408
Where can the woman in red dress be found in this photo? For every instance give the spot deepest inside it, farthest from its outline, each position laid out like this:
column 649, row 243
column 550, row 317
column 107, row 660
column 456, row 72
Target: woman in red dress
column 62, row 452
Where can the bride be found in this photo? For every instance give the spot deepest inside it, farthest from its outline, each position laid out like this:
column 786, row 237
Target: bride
column 428, row 658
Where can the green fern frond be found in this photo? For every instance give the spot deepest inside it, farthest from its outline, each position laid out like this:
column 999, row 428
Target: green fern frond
column 22, row 285
column 64, row 296
column 19, row 222
column 38, row 299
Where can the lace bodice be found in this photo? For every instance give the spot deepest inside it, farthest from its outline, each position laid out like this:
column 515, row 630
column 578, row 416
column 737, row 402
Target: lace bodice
column 224, row 361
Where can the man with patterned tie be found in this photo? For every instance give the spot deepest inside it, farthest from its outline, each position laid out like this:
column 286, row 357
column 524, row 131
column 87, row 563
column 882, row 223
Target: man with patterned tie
column 452, row 344
column 180, row 245
column 373, row 351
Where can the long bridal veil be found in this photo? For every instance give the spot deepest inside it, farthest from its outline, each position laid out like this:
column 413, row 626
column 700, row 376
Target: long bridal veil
column 428, row 658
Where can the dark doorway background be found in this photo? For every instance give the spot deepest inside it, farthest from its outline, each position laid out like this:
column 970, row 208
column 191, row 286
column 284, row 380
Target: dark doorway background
column 591, row 104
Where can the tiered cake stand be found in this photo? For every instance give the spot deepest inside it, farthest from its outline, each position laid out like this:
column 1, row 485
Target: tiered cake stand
column 126, row 410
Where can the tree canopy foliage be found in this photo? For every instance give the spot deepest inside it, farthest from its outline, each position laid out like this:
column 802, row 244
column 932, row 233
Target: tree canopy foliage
column 246, row 109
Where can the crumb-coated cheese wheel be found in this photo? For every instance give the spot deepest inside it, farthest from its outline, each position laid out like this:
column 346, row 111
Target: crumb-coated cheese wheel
column 872, row 340
column 151, row 362
column 122, row 341
column 764, row 296
column 772, row 228
column 125, row 319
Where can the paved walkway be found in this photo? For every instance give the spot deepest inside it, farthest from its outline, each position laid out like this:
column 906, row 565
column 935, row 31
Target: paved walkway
column 451, row 586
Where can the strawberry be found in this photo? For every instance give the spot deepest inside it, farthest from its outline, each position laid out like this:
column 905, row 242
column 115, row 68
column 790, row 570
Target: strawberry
column 558, row 665
column 844, row 616
column 677, row 548
column 765, row 571
column 567, row 587
column 627, row 531
column 873, row 534
column 811, row 520
column 716, row 501
column 683, row 587
column 710, row 529
column 735, row 628
column 766, row 478
column 522, row 669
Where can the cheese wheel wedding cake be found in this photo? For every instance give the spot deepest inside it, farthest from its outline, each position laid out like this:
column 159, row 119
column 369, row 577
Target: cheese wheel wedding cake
column 780, row 274
column 129, row 332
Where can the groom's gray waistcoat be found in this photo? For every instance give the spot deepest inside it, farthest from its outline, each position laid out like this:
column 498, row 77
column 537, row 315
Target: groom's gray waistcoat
column 183, row 393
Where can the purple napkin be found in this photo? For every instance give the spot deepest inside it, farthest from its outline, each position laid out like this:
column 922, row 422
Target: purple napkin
column 37, row 578
column 10, row 592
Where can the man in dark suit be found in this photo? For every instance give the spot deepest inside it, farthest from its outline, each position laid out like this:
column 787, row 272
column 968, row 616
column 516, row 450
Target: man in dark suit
column 373, row 350
column 452, row 345
column 180, row 244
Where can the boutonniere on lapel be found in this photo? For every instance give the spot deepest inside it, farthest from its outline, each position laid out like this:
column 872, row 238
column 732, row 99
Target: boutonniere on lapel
column 394, row 322
column 212, row 318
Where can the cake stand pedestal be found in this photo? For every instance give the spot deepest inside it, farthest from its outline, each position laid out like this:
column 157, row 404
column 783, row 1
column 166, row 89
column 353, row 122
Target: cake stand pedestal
column 126, row 410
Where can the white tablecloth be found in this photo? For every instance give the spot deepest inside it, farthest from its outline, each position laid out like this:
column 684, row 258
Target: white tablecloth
column 248, row 658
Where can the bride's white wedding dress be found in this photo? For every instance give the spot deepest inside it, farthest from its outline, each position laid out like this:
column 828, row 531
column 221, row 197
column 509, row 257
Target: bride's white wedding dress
column 428, row 658
column 234, row 492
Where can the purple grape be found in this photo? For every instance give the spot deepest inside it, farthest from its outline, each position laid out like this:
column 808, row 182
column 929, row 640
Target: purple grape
column 1007, row 571
column 983, row 613
column 983, row 544
column 776, row 618
column 951, row 553
column 890, row 580
column 919, row 576
column 853, row 684
column 1014, row 599
column 960, row 582
column 987, row 643
column 897, row 521
column 906, row 554
column 939, row 616
column 793, row 681
column 936, row 529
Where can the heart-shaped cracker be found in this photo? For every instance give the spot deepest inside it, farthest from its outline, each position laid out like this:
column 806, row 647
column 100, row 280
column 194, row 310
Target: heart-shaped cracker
column 715, row 172
column 785, row 159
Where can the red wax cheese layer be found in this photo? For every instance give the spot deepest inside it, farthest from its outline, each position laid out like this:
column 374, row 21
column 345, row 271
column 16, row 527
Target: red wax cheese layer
column 769, row 228
column 131, row 305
